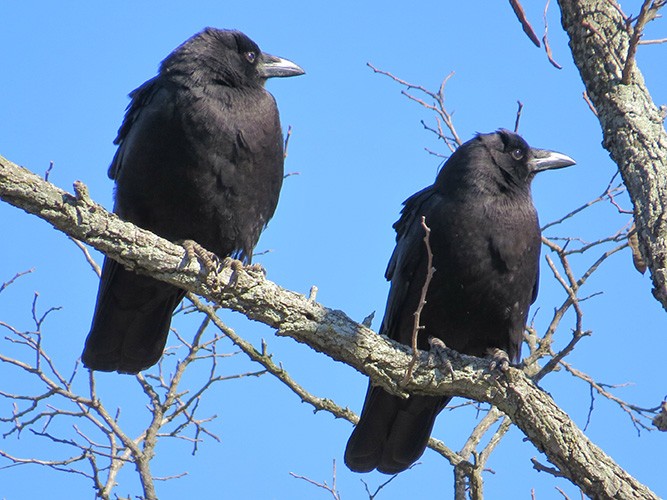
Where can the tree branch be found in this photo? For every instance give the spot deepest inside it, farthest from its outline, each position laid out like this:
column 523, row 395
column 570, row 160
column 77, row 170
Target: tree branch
column 525, row 24
column 328, row 331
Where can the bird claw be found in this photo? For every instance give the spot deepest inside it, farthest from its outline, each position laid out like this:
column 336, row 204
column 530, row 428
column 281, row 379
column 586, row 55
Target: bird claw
column 259, row 268
column 195, row 252
column 499, row 359
column 236, row 266
column 441, row 351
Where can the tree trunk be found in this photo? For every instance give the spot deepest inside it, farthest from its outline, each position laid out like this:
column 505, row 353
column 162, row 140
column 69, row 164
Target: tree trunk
column 632, row 125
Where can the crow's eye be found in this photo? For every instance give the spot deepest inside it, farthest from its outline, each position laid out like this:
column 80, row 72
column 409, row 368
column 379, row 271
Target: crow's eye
column 250, row 56
column 517, row 154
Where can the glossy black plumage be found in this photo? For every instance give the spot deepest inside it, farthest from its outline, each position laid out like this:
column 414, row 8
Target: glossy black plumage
column 200, row 157
column 485, row 240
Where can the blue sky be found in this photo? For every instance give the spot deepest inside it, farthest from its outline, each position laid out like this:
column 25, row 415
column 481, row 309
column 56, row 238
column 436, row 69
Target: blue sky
column 358, row 146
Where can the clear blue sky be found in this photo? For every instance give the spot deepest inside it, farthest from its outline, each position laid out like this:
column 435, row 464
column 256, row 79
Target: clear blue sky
column 359, row 148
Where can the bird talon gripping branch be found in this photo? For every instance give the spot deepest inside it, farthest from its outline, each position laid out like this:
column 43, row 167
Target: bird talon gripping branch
column 499, row 359
column 256, row 268
column 439, row 349
column 236, row 266
column 195, row 252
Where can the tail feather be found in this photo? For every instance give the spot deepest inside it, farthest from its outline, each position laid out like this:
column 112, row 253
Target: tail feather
column 392, row 433
column 131, row 321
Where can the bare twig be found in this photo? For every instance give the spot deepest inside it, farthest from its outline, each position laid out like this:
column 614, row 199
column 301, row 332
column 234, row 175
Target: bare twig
column 590, row 104
column 652, row 42
column 287, row 138
column 617, row 7
column 518, row 116
column 493, row 442
column 479, row 431
column 91, row 262
column 647, row 13
column 635, row 413
column 14, row 278
column 371, row 496
column 545, row 39
column 525, row 24
column 48, row 171
column 265, row 359
column 609, row 190
column 438, row 107
column 417, row 326
column 559, row 490
column 172, row 411
column 543, row 468
column 331, row 489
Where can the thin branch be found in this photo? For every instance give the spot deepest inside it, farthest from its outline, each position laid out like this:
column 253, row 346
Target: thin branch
column 630, row 409
column 518, row 116
column 91, row 262
column 562, row 493
column 545, row 39
column 590, row 104
column 331, row 489
column 265, row 359
column 525, row 24
column 478, row 433
column 48, row 171
column 647, row 13
column 139, row 450
column 371, row 496
column 609, row 190
column 417, row 326
column 543, row 468
column 438, row 107
column 652, row 42
column 14, row 278
column 286, row 143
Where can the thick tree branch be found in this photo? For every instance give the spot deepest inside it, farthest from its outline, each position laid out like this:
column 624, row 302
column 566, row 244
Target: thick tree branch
column 328, row 331
column 632, row 124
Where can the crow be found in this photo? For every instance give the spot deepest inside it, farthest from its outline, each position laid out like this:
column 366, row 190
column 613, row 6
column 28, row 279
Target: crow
column 485, row 239
column 199, row 159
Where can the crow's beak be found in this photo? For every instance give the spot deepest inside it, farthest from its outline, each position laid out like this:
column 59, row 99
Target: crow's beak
column 543, row 159
column 270, row 66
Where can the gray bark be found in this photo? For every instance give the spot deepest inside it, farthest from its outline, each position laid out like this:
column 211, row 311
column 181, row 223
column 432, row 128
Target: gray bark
column 632, row 125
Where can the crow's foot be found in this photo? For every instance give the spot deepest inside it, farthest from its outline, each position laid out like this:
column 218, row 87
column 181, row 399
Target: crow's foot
column 236, row 266
column 499, row 359
column 442, row 353
column 210, row 261
column 195, row 251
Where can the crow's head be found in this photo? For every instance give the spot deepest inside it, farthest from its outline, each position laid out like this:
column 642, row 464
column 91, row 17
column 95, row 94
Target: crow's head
column 501, row 161
column 226, row 57
column 517, row 160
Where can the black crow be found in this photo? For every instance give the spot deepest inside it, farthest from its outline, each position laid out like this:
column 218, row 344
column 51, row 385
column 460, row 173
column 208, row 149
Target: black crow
column 485, row 240
column 200, row 158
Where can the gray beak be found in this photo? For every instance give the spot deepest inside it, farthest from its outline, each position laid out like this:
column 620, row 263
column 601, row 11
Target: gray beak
column 270, row 66
column 543, row 159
